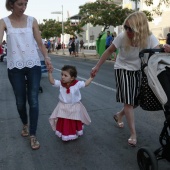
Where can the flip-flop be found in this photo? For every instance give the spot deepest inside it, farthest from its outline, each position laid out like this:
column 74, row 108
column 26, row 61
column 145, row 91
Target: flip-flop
column 132, row 142
column 119, row 124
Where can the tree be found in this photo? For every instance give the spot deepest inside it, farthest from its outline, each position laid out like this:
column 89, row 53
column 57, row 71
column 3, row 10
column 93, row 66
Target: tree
column 53, row 28
column 69, row 29
column 50, row 28
column 155, row 10
column 103, row 13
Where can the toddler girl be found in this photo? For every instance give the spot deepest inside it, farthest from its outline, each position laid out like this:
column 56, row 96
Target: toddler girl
column 69, row 115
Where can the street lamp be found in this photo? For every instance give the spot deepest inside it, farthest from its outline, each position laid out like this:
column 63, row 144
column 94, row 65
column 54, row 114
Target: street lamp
column 61, row 12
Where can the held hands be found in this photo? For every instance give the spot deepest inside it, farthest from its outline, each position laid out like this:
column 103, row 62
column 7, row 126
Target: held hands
column 94, row 71
column 48, row 64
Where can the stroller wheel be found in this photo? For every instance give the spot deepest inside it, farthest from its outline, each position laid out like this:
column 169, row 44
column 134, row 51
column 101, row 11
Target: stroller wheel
column 146, row 159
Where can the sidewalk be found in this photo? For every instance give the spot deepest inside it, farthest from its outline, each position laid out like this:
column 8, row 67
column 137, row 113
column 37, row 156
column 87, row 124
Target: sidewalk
column 87, row 54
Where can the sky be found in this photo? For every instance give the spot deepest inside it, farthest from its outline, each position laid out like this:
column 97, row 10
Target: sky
column 41, row 9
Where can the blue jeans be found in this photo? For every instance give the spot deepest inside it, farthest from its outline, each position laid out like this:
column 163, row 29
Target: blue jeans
column 24, row 91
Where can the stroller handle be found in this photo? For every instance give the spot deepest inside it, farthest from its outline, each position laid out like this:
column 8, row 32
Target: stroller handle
column 150, row 51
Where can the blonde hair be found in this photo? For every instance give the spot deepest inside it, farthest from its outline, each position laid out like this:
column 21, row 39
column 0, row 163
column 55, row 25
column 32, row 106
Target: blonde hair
column 139, row 24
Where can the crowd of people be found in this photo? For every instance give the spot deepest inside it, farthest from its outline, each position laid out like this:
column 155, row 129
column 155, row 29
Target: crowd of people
column 69, row 116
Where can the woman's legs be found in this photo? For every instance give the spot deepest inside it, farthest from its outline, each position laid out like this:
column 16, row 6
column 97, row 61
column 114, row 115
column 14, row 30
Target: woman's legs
column 17, row 80
column 128, row 111
column 33, row 79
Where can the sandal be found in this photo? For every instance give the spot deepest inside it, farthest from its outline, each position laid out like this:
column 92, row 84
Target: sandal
column 119, row 124
column 132, row 142
column 24, row 131
column 34, row 143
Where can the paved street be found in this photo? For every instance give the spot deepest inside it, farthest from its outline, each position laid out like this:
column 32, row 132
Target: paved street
column 102, row 147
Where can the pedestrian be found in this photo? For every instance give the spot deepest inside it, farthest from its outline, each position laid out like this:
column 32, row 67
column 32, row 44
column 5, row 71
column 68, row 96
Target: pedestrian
column 23, row 61
column 108, row 40
column 69, row 116
column 81, row 45
column 49, row 46
column 73, row 46
column 69, row 45
column 136, row 36
column 77, row 43
column 114, row 35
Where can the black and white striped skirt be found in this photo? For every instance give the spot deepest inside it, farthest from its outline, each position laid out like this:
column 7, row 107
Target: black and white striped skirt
column 128, row 86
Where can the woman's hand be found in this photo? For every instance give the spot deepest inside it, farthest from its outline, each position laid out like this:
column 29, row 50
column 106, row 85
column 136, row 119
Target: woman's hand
column 166, row 48
column 94, row 71
column 48, row 64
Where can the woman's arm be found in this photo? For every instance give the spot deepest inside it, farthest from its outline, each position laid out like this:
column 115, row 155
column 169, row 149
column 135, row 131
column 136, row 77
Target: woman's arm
column 105, row 55
column 41, row 46
column 2, row 29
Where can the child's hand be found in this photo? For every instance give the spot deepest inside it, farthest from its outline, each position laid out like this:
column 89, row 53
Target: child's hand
column 50, row 70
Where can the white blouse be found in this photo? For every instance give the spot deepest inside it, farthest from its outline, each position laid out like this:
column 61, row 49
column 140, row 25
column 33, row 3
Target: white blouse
column 74, row 96
column 129, row 60
column 21, row 49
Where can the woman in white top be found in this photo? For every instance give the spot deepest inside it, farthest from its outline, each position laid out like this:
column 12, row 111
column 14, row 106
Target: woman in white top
column 127, row 66
column 23, row 61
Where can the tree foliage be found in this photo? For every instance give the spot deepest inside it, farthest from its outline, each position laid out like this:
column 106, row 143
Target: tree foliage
column 107, row 13
column 103, row 13
column 156, row 10
column 70, row 29
column 50, row 28
column 53, row 28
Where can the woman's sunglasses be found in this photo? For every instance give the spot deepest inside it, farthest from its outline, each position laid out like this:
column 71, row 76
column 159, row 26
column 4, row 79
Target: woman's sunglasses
column 128, row 28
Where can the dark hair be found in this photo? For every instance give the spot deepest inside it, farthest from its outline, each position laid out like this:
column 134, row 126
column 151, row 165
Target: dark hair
column 71, row 69
column 9, row 3
column 168, row 38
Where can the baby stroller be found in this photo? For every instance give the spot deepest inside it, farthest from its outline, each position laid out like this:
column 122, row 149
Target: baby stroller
column 148, row 160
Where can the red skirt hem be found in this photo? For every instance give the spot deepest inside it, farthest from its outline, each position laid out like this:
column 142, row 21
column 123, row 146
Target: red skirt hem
column 68, row 129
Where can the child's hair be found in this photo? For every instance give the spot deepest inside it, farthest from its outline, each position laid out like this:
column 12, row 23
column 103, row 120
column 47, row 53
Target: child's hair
column 71, row 69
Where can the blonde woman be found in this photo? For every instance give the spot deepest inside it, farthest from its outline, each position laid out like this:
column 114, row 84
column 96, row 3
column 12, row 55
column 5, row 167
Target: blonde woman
column 136, row 36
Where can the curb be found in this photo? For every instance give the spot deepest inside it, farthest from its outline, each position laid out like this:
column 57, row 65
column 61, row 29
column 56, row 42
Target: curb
column 80, row 55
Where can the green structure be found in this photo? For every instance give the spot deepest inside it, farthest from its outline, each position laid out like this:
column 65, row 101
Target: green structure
column 101, row 43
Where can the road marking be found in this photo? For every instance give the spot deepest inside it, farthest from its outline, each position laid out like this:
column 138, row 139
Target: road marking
column 98, row 84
